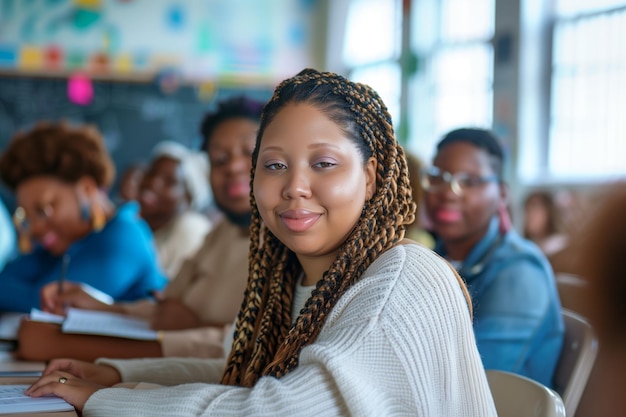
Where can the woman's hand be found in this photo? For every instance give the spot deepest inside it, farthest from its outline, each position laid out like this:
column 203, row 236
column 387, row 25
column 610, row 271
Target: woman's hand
column 65, row 385
column 73, row 295
column 173, row 314
column 89, row 372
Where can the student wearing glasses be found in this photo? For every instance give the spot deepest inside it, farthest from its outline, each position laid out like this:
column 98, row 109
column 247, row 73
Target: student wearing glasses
column 517, row 316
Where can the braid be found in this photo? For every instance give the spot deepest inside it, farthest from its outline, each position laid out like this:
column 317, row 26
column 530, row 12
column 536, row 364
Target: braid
column 265, row 342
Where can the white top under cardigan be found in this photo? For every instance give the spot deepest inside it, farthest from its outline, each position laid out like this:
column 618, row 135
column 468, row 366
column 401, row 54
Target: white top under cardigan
column 398, row 343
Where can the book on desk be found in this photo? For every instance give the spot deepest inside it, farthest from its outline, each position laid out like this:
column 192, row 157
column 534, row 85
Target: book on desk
column 81, row 321
column 13, row 400
column 85, row 335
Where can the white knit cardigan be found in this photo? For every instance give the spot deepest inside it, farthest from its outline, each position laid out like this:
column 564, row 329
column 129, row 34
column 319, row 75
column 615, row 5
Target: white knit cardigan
column 399, row 343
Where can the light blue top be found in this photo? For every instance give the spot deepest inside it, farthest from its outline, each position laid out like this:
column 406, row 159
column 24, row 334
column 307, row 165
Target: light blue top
column 119, row 260
column 517, row 312
column 8, row 248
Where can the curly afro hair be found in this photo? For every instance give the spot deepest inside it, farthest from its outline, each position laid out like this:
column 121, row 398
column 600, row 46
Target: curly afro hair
column 57, row 150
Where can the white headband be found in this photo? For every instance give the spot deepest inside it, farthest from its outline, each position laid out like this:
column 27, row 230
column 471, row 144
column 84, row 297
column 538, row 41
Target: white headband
column 195, row 168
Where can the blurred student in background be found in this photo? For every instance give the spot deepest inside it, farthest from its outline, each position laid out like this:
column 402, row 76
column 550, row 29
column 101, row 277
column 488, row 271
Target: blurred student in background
column 128, row 189
column 173, row 192
column 198, row 306
column 416, row 231
column 543, row 222
column 600, row 255
column 517, row 316
column 67, row 225
column 573, row 206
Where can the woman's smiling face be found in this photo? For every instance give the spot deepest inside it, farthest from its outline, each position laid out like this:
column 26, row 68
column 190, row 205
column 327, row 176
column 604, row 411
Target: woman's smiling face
column 311, row 182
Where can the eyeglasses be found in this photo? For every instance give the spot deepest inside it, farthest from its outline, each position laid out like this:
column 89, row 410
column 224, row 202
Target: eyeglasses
column 435, row 180
column 23, row 221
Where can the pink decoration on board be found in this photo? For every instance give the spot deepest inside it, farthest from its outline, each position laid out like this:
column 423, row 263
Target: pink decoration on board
column 53, row 57
column 80, row 89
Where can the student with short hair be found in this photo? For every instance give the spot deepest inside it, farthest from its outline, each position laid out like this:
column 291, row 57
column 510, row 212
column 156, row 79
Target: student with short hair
column 517, row 312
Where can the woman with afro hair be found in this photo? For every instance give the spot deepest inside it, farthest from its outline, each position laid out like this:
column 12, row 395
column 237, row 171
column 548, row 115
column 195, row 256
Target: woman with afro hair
column 67, row 225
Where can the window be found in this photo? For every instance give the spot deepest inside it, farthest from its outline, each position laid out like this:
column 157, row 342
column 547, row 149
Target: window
column 430, row 60
column 453, row 84
column 587, row 132
column 372, row 49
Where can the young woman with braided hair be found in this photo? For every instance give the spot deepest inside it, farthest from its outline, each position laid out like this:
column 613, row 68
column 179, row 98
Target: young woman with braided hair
column 341, row 315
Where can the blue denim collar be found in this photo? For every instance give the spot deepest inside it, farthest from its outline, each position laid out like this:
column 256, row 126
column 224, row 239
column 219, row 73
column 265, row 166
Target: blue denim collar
column 473, row 264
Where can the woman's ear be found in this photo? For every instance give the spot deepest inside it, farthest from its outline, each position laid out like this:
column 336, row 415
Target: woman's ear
column 503, row 209
column 370, row 177
column 87, row 186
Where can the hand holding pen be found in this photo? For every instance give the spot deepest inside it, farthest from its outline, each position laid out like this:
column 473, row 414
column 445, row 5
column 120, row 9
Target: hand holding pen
column 52, row 295
column 65, row 263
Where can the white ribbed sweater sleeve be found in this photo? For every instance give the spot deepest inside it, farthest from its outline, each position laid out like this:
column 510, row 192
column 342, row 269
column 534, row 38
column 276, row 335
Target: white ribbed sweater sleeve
column 399, row 343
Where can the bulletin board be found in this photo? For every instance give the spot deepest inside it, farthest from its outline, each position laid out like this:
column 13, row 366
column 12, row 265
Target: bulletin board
column 240, row 40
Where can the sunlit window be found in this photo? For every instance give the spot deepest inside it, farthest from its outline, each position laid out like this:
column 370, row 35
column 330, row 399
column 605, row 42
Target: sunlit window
column 587, row 135
column 372, row 32
column 372, row 48
column 453, row 86
column 565, row 8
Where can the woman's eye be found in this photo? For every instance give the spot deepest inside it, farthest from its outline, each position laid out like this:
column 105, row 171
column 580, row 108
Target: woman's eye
column 218, row 160
column 275, row 166
column 324, row 164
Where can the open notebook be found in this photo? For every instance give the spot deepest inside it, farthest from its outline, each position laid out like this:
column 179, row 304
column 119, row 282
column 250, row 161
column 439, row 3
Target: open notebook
column 9, row 323
column 13, row 400
column 99, row 323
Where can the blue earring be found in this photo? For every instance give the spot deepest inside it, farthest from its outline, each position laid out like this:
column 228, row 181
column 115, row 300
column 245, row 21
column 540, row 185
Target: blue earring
column 84, row 212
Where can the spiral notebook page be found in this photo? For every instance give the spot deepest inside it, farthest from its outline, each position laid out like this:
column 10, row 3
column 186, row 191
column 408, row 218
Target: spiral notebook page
column 13, row 400
column 107, row 324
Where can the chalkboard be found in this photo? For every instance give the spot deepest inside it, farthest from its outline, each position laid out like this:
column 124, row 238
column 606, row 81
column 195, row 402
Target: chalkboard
column 132, row 116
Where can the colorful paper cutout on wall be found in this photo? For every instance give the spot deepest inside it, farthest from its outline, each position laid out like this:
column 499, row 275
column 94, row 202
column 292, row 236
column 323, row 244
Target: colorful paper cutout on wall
column 8, row 56
column 80, row 89
column 124, row 63
column 53, row 57
column 31, row 58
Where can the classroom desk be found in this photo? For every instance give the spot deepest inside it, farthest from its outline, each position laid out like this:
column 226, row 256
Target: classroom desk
column 8, row 363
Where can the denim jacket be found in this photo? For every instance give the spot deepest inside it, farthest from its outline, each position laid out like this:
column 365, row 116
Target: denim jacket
column 517, row 311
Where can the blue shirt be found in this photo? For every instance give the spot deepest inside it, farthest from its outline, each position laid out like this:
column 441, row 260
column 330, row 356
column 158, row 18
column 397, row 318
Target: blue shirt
column 517, row 312
column 119, row 260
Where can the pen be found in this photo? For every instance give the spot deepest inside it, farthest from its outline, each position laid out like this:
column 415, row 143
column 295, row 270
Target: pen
column 155, row 295
column 66, row 261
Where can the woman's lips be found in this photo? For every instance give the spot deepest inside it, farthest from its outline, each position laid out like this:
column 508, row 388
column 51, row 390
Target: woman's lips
column 147, row 197
column 49, row 240
column 448, row 216
column 300, row 220
column 238, row 189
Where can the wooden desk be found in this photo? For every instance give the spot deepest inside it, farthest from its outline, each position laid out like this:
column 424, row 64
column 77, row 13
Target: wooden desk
column 8, row 363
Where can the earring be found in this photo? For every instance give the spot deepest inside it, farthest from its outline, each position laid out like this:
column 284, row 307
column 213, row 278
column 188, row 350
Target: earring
column 505, row 218
column 98, row 219
column 25, row 245
column 84, row 211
